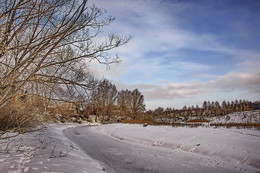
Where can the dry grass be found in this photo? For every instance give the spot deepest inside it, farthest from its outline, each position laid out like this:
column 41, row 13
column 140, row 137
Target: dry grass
column 149, row 122
column 236, row 124
column 198, row 121
column 18, row 116
column 227, row 125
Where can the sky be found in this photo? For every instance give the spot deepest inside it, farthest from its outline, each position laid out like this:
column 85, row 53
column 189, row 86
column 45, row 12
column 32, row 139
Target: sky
column 186, row 51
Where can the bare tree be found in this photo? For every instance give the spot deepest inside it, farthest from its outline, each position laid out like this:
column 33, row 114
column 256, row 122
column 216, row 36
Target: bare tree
column 123, row 101
column 46, row 43
column 137, row 103
column 168, row 111
column 205, row 105
column 131, row 103
column 45, row 46
column 104, row 97
column 159, row 111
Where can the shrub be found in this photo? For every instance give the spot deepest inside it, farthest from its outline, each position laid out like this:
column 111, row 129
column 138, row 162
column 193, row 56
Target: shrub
column 17, row 116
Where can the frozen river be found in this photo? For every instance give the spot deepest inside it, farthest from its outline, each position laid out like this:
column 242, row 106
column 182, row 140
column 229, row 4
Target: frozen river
column 119, row 155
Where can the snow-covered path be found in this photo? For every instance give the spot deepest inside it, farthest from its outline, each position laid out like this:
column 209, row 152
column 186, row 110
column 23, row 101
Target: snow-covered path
column 133, row 148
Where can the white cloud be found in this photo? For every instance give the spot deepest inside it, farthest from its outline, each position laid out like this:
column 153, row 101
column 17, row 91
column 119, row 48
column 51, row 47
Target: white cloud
column 226, row 85
column 154, row 30
column 249, row 82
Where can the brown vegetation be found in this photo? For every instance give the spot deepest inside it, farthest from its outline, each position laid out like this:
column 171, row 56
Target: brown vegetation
column 44, row 50
column 18, row 116
column 246, row 125
column 149, row 122
column 227, row 125
column 198, row 121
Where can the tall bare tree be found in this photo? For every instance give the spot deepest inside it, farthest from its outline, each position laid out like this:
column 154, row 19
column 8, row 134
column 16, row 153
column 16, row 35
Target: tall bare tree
column 123, row 102
column 131, row 103
column 46, row 43
column 104, row 97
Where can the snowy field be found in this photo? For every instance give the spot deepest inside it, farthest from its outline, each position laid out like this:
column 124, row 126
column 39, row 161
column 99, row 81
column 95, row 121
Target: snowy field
column 240, row 146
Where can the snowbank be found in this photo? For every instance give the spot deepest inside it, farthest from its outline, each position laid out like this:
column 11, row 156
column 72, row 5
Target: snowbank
column 46, row 150
column 240, row 146
column 239, row 117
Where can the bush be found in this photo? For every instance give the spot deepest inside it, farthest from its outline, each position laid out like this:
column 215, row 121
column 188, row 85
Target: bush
column 17, row 116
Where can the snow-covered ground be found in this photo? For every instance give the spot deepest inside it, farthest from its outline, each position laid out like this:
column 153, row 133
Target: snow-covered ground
column 46, row 150
column 239, row 117
column 241, row 146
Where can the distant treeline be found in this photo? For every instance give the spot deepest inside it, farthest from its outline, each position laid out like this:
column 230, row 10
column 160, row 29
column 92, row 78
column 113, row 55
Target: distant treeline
column 208, row 108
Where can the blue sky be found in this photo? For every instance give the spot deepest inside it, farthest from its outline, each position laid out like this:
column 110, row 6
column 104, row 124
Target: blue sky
column 186, row 51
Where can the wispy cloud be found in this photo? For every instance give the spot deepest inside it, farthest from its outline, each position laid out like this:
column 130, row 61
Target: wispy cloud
column 197, row 49
column 247, row 83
